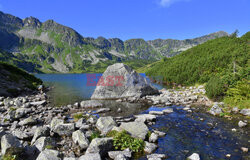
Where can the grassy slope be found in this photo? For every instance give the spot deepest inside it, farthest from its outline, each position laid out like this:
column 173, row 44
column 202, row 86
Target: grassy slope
column 226, row 59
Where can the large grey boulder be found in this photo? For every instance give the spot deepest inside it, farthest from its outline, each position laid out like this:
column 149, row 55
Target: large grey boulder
column 49, row 154
column 114, row 154
column 105, row 124
column 101, row 146
column 55, row 122
column 28, row 121
column 8, row 141
column 80, row 139
column 42, row 142
column 91, row 156
column 120, row 81
column 137, row 129
column 21, row 112
column 149, row 147
column 91, row 104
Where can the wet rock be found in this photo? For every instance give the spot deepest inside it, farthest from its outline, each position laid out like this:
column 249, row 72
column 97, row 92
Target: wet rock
column 194, row 156
column 168, row 110
column 216, row 110
column 42, row 142
column 101, row 146
column 129, row 84
column 156, row 112
column 9, row 141
column 244, row 149
column 159, row 133
column 91, row 156
column 40, row 132
column 242, row 124
column 28, row 121
column 105, row 124
column 136, row 129
column 91, row 104
column 48, row 154
column 153, row 137
column 145, row 117
column 149, row 147
column 245, row 112
column 64, row 129
column 113, row 154
column 80, row 139
column 156, row 156
column 55, row 122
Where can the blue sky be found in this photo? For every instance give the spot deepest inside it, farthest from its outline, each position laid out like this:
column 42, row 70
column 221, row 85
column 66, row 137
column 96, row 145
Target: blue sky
column 148, row 19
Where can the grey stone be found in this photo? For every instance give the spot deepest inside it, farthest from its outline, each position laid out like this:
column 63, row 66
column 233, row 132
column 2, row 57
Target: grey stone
column 113, row 154
column 9, row 141
column 156, row 112
column 80, row 139
column 21, row 112
column 156, row 156
column 42, row 142
column 145, row 117
column 91, row 156
column 216, row 110
column 245, row 112
column 160, row 134
column 131, row 84
column 105, row 124
column 28, row 121
column 194, row 156
column 55, row 122
column 80, row 123
column 101, row 146
column 69, row 158
column 91, row 104
column 149, row 147
column 103, row 110
column 136, row 129
column 153, row 138
column 40, row 132
column 242, row 124
column 38, row 103
column 21, row 134
column 49, row 154
column 168, row 110
column 64, row 129
column 121, row 157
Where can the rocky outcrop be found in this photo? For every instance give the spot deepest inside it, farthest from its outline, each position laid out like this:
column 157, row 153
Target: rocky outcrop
column 120, row 81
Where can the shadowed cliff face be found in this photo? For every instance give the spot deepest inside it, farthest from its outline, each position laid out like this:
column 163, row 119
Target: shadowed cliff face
column 57, row 48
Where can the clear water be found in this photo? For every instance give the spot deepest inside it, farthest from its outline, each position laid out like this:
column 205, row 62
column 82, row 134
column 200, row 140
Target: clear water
column 186, row 133
column 70, row 88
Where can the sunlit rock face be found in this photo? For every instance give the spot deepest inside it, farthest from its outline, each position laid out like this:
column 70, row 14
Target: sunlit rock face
column 121, row 81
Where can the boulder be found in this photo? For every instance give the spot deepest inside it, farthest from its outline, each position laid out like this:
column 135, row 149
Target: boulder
column 120, row 81
column 91, row 156
column 194, row 156
column 105, row 124
column 149, row 147
column 28, row 121
column 242, row 124
column 38, row 103
column 9, row 141
column 21, row 112
column 153, row 138
column 245, row 112
column 80, row 139
column 113, row 154
column 156, row 156
column 48, row 154
column 145, row 117
column 42, row 142
column 216, row 110
column 64, row 129
column 137, row 129
column 40, row 132
column 101, row 146
column 55, row 122
column 91, row 104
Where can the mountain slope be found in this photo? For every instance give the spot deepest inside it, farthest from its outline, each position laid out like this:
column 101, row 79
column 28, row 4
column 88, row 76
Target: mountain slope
column 52, row 47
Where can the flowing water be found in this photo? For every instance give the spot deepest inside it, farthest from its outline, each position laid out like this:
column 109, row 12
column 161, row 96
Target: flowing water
column 209, row 136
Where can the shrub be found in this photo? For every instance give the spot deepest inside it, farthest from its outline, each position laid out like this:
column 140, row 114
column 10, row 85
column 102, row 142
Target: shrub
column 123, row 140
column 215, row 88
column 95, row 134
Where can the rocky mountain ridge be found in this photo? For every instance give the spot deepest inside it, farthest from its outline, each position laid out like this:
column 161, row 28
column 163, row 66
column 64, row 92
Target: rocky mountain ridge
column 52, row 47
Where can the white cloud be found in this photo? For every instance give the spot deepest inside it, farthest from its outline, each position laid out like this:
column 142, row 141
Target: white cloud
column 167, row 3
